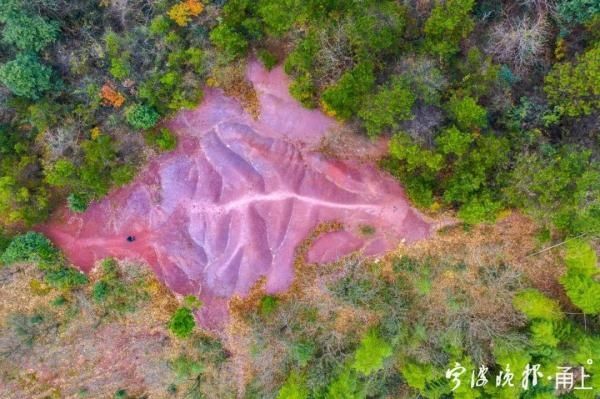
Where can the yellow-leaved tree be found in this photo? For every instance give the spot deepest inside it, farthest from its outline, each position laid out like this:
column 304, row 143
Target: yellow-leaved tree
column 183, row 12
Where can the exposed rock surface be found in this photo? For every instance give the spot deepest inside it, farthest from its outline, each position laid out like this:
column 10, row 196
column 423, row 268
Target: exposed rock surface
column 236, row 197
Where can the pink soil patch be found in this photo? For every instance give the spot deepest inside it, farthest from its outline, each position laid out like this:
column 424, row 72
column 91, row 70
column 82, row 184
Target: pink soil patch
column 234, row 200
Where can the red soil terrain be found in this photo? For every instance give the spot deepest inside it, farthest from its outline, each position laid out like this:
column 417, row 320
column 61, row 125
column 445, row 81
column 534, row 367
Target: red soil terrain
column 237, row 196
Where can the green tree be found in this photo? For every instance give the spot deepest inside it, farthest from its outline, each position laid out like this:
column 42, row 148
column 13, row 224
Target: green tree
column 417, row 375
column 8, row 8
column 114, row 294
column 581, row 280
column 299, row 64
column 164, row 139
column 4, row 240
column 466, row 113
column 371, row 353
column 478, row 74
column 112, row 43
column 477, row 172
column 536, row 305
column 463, row 169
column 231, row 43
column 268, row 304
column 517, row 356
column 121, row 394
column 303, row 89
column 25, row 76
column 94, row 175
column 384, row 109
column 564, row 191
column 61, row 173
column 160, row 25
column 573, row 86
column 122, row 174
column 182, row 322
column 448, row 24
column 480, row 208
column 64, row 278
column 30, row 247
column 455, row 142
column 346, row 96
column 577, row 11
column 36, row 248
column 278, row 15
column 141, row 116
column 464, row 391
column 31, row 33
column 427, row 379
column 22, row 202
column 415, row 166
column 44, row 113
column 120, row 68
column 77, row 202
column 376, row 30
column 300, row 60
column 294, row 388
column 268, row 59
column 543, row 333
column 345, row 386
column 581, row 258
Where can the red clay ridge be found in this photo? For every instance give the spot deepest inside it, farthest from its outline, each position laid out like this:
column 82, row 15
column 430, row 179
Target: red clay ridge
column 236, row 197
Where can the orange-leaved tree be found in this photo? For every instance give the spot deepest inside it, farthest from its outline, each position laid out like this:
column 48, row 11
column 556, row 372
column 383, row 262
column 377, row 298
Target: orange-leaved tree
column 111, row 97
column 183, row 12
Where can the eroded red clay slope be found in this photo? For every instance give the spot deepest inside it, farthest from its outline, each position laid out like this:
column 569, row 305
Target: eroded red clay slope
column 234, row 200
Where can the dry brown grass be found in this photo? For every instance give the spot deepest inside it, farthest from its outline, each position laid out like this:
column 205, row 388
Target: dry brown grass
column 334, row 56
column 497, row 262
column 308, row 291
column 510, row 241
column 84, row 353
column 343, row 143
column 481, row 268
column 22, row 289
column 520, row 42
column 231, row 78
column 133, row 352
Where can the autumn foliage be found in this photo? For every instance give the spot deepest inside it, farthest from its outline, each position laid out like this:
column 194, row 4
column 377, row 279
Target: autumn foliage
column 183, row 12
column 111, row 97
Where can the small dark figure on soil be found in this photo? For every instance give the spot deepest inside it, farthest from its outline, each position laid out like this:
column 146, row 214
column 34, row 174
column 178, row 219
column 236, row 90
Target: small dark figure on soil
column 131, row 238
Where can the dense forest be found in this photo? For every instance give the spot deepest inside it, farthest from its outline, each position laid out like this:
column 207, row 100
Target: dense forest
column 489, row 106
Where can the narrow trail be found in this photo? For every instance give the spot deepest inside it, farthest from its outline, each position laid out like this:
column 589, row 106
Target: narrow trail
column 279, row 196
